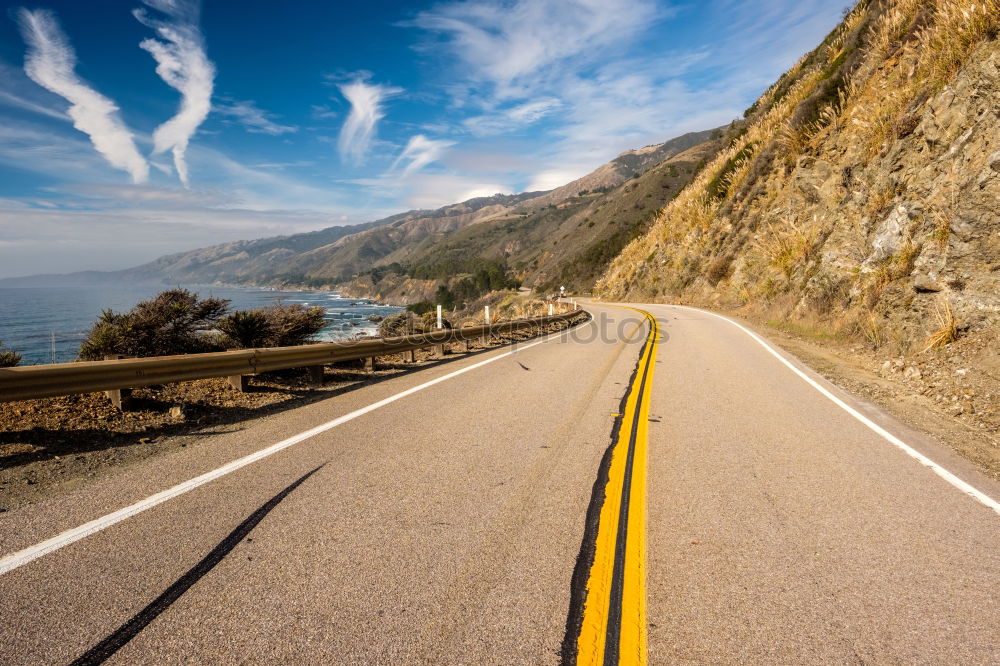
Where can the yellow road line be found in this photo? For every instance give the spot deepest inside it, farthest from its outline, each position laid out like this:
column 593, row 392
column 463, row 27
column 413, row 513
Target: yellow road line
column 613, row 629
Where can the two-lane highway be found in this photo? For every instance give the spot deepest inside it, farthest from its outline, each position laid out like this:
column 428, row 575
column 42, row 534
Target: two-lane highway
column 717, row 507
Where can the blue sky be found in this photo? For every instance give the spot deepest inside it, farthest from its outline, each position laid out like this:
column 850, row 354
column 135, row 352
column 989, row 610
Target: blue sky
column 132, row 129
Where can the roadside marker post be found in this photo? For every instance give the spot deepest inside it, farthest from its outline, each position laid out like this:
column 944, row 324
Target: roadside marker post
column 440, row 323
column 486, row 321
column 552, row 309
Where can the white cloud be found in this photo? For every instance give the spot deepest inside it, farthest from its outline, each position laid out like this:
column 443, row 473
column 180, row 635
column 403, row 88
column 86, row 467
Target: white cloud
column 431, row 190
column 419, row 152
column 504, row 43
column 10, row 99
column 366, row 110
column 551, row 179
column 50, row 62
column 182, row 63
column 323, row 112
column 255, row 120
column 511, row 117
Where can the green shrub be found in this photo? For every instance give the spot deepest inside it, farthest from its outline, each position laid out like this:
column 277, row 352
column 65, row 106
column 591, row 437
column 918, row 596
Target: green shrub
column 428, row 322
column 246, row 328
column 275, row 326
column 174, row 322
column 294, row 324
column 178, row 322
column 420, row 307
column 8, row 357
column 400, row 323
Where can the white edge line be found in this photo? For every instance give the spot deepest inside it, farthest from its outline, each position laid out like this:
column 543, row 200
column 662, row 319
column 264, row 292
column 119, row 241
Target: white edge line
column 20, row 558
column 966, row 488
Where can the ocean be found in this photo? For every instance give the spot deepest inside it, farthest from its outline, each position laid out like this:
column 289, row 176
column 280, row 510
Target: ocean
column 47, row 324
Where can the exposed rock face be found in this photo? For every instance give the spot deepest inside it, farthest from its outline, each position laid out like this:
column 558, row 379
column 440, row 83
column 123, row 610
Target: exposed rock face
column 865, row 195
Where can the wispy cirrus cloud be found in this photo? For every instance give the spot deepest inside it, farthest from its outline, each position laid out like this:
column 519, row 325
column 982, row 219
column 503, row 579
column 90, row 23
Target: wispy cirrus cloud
column 182, row 63
column 255, row 120
column 419, row 152
column 367, row 102
column 504, row 43
column 323, row 112
column 50, row 62
column 9, row 99
column 511, row 117
column 433, row 190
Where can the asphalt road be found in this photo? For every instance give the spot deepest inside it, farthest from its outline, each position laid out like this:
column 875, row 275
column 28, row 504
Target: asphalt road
column 445, row 526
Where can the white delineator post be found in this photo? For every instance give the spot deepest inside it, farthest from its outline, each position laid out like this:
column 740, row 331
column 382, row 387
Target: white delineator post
column 441, row 350
column 552, row 309
column 486, row 321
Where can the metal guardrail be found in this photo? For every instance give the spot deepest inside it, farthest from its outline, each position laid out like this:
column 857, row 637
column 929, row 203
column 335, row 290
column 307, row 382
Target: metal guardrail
column 46, row 381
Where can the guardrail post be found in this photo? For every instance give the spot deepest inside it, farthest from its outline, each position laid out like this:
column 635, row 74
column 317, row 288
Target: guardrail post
column 239, row 382
column 413, row 356
column 120, row 398
column 440, row 350
column 370, row 364
column 316, row 374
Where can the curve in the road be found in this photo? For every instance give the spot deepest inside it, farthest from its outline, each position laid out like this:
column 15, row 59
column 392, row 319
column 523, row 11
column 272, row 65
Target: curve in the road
column 945, row 474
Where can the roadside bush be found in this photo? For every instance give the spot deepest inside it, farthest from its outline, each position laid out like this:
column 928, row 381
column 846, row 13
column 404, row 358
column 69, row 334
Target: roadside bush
column 293, row 324
column 174, row 322
column 8, row 357
column 400, row 323
column 276, row 326
column 420, row 307
column 428, row 322
column 245, row 329
column 178, row 322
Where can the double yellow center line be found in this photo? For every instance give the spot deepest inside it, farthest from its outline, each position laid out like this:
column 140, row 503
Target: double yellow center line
column 613, row 629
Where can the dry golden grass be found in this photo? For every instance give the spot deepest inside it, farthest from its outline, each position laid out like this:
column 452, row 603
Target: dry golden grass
column 871, row 330
column 786, row 248
column 947, row 331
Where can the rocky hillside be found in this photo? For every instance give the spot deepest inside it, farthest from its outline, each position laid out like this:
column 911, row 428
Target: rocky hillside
column 863, row 198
